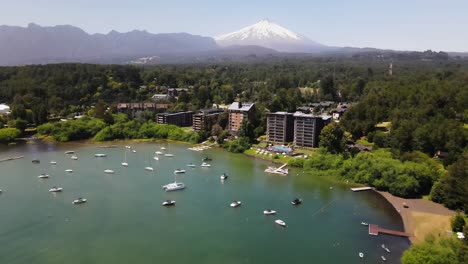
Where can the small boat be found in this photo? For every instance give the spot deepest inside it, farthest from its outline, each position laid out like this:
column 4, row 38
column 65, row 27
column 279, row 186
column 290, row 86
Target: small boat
column 280, row 222
column 163, row 148
column 69, row 170
column 179, row 171
column 43, row 176
column 80, row 201
column 69, row 152
column 56, row 189
column 74, row 157
column 296, row 201
column 100, row 155
column 383, row 258
column 168, row 155
column 109, row 171
column 168, row 203
column 364, row 224
column 149, row 168
column 207, row 159
column 125, row 164
column 36, row 161
column 174, row 186
column 204, row 164
column 158, row 153
column 134, row 151
column 224, row 176
column 269, row 212
column 385, row 248
column 191, row 165
column 236, row 203
column 361, row 255
column 53, row 162
column 128, row 147
column 156, row 158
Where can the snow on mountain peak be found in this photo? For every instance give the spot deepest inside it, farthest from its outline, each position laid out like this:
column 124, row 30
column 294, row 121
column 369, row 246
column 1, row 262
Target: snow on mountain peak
column 262, row 30
column 268, row 34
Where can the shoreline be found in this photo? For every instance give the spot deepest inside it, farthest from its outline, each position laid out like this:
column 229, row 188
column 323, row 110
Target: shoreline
column 417, row 217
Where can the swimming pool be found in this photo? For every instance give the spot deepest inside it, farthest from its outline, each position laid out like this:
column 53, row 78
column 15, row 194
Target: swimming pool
column 281, row 149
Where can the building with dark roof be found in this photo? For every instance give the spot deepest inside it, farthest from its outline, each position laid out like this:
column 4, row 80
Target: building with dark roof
column 183, row 119
column 204, row 119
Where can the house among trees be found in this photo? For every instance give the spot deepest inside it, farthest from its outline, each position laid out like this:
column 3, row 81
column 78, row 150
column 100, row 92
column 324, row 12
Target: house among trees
column 238, row 113
column 441, row 154
column 173, row 92
column 128, row 107
column 4, row 109
column 159, row 97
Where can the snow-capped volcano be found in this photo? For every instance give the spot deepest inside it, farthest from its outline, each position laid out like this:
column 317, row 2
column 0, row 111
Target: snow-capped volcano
column 270, row 35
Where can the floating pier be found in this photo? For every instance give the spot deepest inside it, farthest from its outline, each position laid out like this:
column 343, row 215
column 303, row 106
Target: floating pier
column 279, row 170
column 360, row 189
column 375, row 230
column 12, row 158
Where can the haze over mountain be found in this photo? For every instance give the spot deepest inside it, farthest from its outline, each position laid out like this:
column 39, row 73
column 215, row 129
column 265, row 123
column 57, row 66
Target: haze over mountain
column 36, row 44
column 270, row 35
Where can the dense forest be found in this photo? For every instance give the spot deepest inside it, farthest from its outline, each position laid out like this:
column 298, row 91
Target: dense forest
column 425, row 103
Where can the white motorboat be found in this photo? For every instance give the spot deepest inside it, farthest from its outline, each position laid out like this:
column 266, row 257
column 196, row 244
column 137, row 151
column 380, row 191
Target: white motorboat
column 100, row 155
column 174, row 186
column 128, row 147
column 69, row 170
column 134, row 151
column 179, row 171
column 125, row 164
column 80, row 201
column 53, row 162
column 69, row 152
column 149, row 168
column 280, row 222
column 361, row 255
column 191, row 165
column 43, row 176
column 269, row 212
column 205, row 165
column 109, row 171
column 224, row 176
column 383, row 258
column 156, row 158
column 364, row 224
column 296, row 201
column 168, row 203
column 236, row 203
column 163, row 148
column 158, row 153
column 74, row 157
column 168, row 155
column 56, row 189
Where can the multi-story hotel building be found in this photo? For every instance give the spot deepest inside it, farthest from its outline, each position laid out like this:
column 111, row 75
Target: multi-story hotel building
column 280, row 127
column 307, row 128
column 238, row 112
column 183, row 119
column 205, row 119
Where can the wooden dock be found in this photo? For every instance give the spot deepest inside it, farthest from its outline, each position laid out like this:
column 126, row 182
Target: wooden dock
column 361, row 189
column 12, row 158
column 375, row 230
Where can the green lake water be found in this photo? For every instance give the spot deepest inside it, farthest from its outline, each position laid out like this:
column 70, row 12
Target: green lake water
column 124, row 222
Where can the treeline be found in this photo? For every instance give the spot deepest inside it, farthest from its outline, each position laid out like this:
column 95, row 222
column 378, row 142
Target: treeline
column 89, row 127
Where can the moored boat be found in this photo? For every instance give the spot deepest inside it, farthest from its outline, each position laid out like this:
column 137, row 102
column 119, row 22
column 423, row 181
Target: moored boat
column 100, row 155
column 69, row 152
column 168, row 203
column 109, row 171
column 361, row 255
column 74, row 157
column 158, row 153
column 364, row 224
column 149, row 168
column 53, row 162
column 80, row 201
column 191, row 165
column 280, row 222
column 174, row 186
column 205, row 165
column 56, row 189
column 383, row 258
column 235, row 203
column 179, row 171
column 224, row 176
column 43, row 176
column 168, row 155
column 69, row 170
column 296, row 201
column 207, row 159
column 269, row 212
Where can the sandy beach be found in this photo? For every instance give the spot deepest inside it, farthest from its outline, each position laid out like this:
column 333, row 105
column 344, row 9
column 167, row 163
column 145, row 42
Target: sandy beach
column 421, row 217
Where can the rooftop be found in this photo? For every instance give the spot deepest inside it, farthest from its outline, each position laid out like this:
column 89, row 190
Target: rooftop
column 241, row 106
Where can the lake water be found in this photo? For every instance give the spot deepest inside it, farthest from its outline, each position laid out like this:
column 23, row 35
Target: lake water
column 124, row 222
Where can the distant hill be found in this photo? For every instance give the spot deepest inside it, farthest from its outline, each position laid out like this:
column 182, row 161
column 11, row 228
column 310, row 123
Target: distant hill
column 38, row 45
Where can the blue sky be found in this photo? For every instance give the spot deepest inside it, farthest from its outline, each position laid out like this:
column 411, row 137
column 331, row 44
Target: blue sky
column 396, row 24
